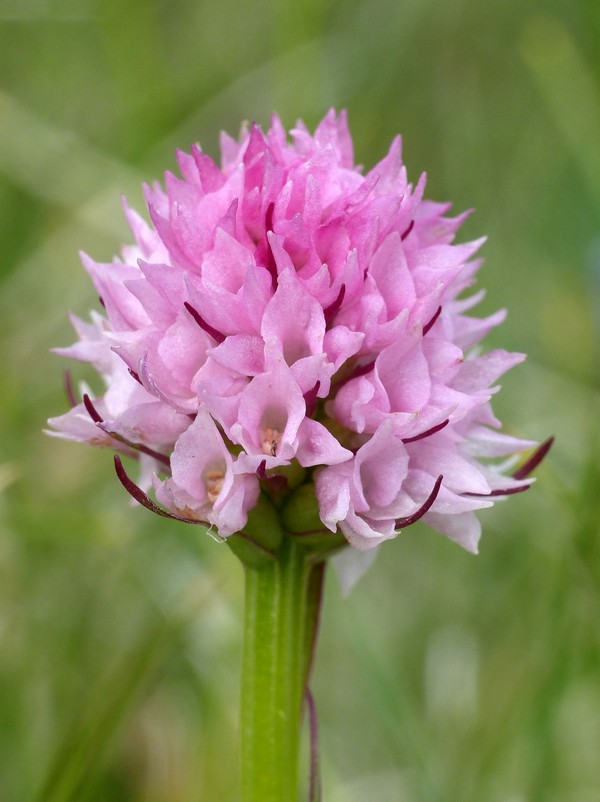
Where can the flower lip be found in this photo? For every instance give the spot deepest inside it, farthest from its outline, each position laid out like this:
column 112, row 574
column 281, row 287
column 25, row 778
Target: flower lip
column 271, row 409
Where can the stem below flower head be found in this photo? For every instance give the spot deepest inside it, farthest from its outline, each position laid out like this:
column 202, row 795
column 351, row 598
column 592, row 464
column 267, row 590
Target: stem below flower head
column 282, row 608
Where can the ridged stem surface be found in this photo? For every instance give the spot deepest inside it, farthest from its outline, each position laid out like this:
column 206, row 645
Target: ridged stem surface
column 282, row 609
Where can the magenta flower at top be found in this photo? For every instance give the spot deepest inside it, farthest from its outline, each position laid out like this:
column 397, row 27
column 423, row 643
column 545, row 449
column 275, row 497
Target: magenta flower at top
column 285, row 314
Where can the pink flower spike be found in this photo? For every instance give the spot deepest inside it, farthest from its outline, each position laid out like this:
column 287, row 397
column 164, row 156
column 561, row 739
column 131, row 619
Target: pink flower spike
column 284, row 318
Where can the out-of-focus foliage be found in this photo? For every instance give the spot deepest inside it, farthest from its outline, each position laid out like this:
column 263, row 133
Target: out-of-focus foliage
column 443, row 676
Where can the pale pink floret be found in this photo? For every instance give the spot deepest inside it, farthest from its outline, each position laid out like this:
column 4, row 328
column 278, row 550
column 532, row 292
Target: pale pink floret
column 203, row 484
column 126, row 409
column 285, row 308
column 363, row 498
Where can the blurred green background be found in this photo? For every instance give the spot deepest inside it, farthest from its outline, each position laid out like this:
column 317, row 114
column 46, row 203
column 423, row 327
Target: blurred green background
column 443, row 677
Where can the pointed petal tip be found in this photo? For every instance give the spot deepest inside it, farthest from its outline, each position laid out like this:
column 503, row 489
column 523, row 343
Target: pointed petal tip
column 69, row 389
column 91, row 409
column 501, row 491
column 143, row 499
column 402, row 523
column 536, row 458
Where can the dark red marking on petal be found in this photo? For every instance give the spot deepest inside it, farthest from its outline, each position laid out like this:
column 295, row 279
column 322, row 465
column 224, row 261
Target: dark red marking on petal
column 427, row 326
column 271, row 263
column 216, row 335
column 140, row 447
column 402, row 523
column 269, row 217
column 427, row 432
column 97, row 418
column 408, row 230
column 310, row 399
column 138, row 494
column 69, row 391
column 534, row 460
column 361, row 370
column 276, row 481
column 506, row 491
column 91, row 409
column 135, row 376
column 334, row 308
column 157, row 455
column 101, row 300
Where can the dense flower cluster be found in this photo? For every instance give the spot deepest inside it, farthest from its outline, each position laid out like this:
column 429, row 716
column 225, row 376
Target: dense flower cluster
column 287, row 310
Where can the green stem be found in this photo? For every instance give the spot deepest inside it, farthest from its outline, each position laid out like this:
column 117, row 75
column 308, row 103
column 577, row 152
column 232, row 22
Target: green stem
column 282, row 608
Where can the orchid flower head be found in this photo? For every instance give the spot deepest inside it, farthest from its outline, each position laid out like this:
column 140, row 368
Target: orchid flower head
column 285, row 319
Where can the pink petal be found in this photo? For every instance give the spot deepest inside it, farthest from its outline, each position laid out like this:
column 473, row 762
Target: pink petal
column 317, row 446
